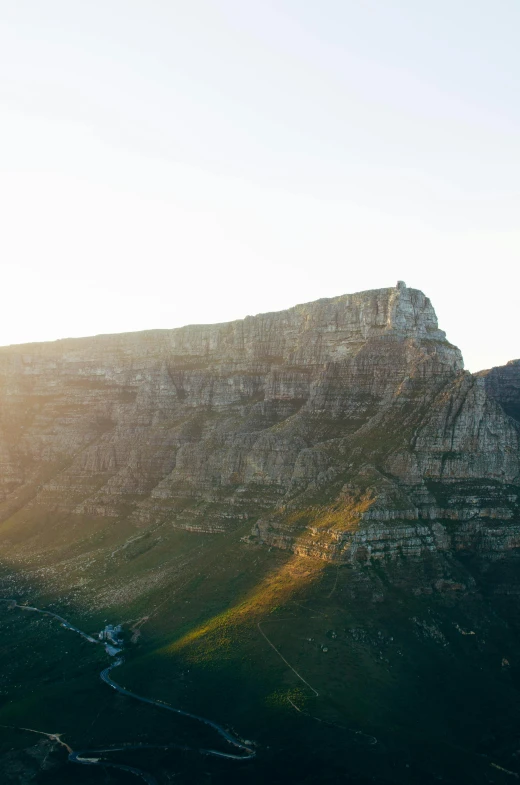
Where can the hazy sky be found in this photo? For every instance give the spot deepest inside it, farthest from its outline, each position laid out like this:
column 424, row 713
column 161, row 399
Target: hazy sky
column 165, row 162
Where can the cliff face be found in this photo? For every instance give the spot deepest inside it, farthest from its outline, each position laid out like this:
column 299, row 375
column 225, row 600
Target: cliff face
column 503, row 384
column 344, row 429
column 173, row 481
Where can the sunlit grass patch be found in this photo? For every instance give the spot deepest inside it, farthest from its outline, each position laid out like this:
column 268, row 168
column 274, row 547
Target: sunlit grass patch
column 344, row 514
column 274, row 590
column 279, row 586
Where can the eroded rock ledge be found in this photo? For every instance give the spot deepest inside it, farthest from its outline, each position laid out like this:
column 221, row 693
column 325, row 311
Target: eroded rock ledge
column 354, row 402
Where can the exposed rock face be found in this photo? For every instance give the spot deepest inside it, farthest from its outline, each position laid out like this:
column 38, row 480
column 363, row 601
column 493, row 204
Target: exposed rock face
column 357, row 404
column 503, row 384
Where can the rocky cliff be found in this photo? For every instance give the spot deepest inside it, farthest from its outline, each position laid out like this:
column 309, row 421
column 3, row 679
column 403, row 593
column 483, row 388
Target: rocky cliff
column 345, row 429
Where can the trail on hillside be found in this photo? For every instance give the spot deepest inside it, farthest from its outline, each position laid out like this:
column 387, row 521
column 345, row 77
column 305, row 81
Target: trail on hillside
column 371, row 739
column 283, row 658
column 92, row 757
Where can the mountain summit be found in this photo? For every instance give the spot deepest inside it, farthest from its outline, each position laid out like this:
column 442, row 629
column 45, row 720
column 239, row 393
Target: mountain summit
column 303, row 524
column 206, row 426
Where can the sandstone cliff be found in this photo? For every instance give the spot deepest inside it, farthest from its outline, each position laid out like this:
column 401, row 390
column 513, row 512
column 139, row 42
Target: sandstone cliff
column 346, row 429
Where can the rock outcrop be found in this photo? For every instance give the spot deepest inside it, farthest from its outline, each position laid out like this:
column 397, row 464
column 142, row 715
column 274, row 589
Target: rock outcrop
column 503, row 384
column 346, row 429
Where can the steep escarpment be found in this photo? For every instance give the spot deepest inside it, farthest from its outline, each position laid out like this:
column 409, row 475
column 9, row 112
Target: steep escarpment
column 308, row 524
column 503, row 384
column 173, row 414
column 441, row 478
column 344, row 429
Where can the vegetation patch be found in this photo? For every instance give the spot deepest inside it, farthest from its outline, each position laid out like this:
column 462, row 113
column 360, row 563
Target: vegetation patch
column 274, row 590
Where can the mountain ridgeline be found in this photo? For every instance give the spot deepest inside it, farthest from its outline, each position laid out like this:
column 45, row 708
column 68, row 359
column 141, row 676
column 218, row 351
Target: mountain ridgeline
column 306, row 527
column 357, row 403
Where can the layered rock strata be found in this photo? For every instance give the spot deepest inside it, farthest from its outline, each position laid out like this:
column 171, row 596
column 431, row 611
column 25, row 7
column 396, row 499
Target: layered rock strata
column 345, row 428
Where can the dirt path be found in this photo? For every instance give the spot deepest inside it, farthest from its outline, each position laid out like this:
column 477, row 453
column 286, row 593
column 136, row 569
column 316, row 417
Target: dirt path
column 271, row 644
column 370, row 739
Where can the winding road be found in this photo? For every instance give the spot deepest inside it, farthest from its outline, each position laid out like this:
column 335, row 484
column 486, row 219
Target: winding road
column 93, row 757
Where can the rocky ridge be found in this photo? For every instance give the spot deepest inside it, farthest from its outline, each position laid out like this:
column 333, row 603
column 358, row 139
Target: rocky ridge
column 345, row 429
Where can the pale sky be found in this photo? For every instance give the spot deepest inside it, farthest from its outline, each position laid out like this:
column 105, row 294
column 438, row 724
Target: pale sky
column 165, row 162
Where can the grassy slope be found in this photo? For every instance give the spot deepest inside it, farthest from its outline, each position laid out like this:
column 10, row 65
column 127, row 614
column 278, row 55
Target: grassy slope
column 398, row 667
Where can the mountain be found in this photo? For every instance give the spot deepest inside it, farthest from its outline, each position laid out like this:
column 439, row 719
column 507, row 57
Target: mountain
column 333, row 456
